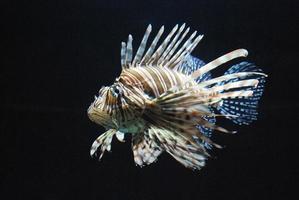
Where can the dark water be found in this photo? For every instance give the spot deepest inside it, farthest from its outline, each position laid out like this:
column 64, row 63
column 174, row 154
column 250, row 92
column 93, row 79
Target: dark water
column 59, row 53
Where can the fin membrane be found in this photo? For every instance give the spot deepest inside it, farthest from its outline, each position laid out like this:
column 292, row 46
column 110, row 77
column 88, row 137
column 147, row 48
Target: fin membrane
column 191, row 64
column 245, row 109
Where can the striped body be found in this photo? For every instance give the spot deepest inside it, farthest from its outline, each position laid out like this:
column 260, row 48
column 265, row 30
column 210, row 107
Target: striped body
column 124, row 112
column 155, row 81
column 168, row 101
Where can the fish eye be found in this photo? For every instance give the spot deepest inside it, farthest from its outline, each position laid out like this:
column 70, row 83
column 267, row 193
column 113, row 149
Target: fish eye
column 115, row 90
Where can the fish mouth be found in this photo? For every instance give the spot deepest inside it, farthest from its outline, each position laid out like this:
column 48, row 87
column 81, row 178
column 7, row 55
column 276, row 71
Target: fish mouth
column 97, row 116
column 91, row 113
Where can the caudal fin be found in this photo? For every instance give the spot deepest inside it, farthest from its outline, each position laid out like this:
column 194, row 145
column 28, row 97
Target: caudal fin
column 244, row 109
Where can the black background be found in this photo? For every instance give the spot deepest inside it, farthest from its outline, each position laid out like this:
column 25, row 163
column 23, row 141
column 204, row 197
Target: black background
column 57, row 54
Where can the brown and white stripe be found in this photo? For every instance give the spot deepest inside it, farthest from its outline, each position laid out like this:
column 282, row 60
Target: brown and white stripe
column 154, row 81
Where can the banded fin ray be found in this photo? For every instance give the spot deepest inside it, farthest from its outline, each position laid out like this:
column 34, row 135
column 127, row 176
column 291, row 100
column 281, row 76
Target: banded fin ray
column 103, row 142
column 162, row 47
column 191, row 155
column 207, row 131
column 171, row 46
column 151, row 49
column 219, row 61
column 129, row 51
column 182, row 111
column 169, row 54
column 142, row 46
column 145, row 150
column 244, row 108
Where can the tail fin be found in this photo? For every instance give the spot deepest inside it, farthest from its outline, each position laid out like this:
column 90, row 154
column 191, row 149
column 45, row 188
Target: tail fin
column 244, row 109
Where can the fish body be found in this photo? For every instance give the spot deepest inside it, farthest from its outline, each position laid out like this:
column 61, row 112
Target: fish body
column 168, row 101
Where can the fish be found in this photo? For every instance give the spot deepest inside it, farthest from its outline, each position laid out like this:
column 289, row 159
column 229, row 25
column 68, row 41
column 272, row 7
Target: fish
column 168, row 101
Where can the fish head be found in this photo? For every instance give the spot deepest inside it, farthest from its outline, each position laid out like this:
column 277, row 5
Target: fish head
column 100, row 111
column 117, row 105
column 109, row 106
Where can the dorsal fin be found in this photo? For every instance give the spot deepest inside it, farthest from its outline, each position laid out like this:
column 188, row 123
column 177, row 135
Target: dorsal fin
column 151, row 49
column 219, row 61
column 142, row 46
column 162, row 47
column 162, row 58
column 169, row 54
column 129, row 50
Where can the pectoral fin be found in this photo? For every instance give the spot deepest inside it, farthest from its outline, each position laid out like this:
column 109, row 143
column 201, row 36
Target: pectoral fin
column 103, row 141
column 145, row 149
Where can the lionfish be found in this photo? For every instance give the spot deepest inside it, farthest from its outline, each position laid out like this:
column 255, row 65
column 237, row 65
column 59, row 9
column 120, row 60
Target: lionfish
column 168, row 101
